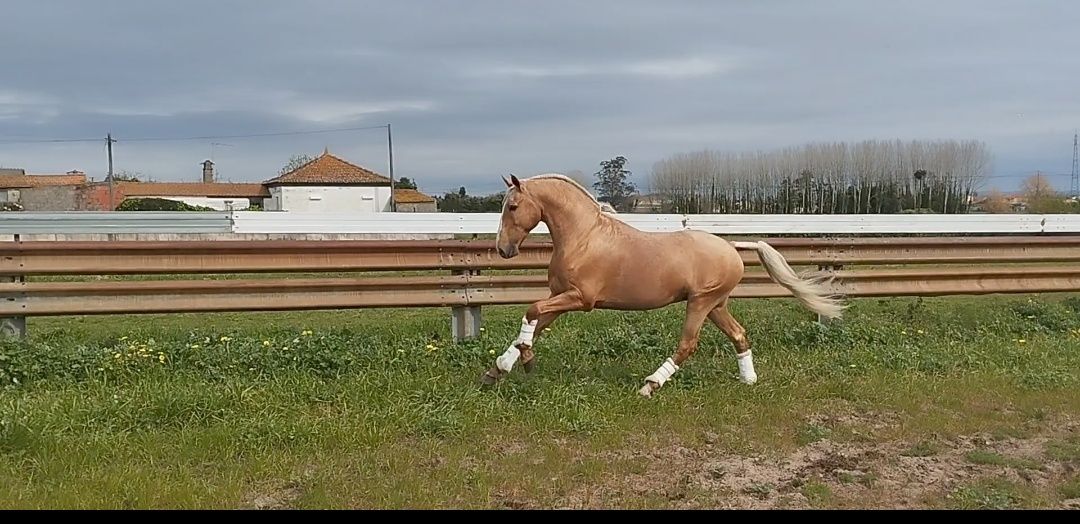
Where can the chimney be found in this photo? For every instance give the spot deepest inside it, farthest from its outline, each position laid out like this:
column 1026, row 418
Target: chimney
column 208, row 171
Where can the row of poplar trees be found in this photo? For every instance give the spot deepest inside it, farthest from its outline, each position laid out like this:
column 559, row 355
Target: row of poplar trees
column 865, row 177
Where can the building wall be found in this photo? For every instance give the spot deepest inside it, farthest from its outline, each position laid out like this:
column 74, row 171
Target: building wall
column 329, row 199
column 426, row 207
column 213, row 203
column 49, row 198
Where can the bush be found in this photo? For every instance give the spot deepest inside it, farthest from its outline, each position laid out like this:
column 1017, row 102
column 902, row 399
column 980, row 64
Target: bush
column 158, row 204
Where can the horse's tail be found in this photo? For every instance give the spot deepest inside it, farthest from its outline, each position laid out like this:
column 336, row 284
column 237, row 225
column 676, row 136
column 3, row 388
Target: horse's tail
column 812, row 292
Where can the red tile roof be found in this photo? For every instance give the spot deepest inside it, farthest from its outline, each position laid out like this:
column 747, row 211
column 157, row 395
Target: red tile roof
column 192, row 189
column 328, row 169
column 411, row 196
column 24, row 181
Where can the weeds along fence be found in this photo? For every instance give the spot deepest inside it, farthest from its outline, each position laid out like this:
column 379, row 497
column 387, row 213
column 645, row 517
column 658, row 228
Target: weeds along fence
column 904, row 255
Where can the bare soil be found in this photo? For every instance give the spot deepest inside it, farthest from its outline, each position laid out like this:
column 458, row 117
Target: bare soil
column 828, row 474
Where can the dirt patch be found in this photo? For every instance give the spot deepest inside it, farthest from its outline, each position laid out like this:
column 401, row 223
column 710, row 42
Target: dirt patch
column 829, row 474
column 282, row 496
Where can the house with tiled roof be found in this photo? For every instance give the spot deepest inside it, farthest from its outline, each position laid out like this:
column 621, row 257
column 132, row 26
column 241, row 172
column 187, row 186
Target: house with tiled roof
column 408, row 200
column 329, row 183
column 19, row 190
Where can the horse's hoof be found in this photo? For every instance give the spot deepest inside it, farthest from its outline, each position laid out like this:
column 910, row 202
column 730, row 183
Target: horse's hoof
column 488, row 378
column 529, row 366
column 646, row 390
column 750, row 380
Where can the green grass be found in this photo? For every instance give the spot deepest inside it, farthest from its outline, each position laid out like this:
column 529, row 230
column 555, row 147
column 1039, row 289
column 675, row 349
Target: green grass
column 922, row 449
column 817, row 494
column 990, row 458
column 379, row 409
column 993, row 493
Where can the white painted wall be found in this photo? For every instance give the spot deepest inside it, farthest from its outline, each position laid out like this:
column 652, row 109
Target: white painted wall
column 329, row 199
column 212, row 203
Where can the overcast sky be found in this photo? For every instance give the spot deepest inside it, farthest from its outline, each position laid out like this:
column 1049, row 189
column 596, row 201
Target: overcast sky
column 476, row 89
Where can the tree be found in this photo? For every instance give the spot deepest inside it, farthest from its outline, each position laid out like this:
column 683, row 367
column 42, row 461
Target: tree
column 405, row 183
column 611, row 184
column 1043, row 198
column 996, row 203
column 294, row 162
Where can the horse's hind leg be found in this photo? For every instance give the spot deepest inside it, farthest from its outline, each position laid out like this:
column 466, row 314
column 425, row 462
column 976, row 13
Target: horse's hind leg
column 696, row 311
column 737, row 334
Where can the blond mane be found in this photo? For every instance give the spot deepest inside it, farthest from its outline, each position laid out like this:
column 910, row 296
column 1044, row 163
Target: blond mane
column 604, row 206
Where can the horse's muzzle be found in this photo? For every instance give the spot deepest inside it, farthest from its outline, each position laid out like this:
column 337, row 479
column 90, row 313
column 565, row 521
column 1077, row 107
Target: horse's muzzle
column 509, row 252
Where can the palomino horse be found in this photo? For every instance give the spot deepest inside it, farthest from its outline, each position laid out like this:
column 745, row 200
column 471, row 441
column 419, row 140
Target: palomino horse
column 601, row 262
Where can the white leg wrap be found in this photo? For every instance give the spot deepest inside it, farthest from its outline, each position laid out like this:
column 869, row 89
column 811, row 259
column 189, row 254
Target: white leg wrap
column 525, row 336
column 664, row 372
column 506, row 361
column 746, row 367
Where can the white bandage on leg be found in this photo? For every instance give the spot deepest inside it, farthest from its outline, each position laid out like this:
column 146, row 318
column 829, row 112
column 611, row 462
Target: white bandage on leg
column 506, row 361
column 664, row 372
column 746, row 367
column 525, row 336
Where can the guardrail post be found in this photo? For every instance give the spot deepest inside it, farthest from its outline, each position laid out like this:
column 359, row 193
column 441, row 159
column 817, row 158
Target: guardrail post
column 12, row 326
column 465, row 320
column 828, row 267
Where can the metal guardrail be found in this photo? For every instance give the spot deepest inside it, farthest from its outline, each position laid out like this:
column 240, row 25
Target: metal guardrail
column 269, row 256
column 969, row 266
column 139, row 297
column 282, row 222
column 77, row 222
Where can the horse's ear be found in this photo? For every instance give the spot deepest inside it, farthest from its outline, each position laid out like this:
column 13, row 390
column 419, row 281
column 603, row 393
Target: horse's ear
column 507, row 182
column 517, row 183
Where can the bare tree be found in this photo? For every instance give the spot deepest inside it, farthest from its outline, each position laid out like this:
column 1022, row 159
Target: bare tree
column 865, row 177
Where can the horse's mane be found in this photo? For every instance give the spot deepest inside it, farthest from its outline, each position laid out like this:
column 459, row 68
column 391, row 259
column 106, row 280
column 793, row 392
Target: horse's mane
column 604, row 206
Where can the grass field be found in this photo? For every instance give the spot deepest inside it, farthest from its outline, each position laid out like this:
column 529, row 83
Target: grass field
column 936, row 403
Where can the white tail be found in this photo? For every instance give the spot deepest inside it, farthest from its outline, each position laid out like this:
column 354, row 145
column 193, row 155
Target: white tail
column 813, row 292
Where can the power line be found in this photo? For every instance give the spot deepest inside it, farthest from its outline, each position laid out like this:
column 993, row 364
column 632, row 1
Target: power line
column 253, row 135
column 188, row 138
column 50, row 140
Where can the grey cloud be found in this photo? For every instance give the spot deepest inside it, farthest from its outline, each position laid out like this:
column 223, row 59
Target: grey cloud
column 477, row 89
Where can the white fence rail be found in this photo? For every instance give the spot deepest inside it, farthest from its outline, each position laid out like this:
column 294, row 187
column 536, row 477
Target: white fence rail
column 479, row 223
column 267, row 222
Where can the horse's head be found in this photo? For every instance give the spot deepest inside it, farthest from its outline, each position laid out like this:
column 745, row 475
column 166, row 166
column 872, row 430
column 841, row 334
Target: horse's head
column 520, row 214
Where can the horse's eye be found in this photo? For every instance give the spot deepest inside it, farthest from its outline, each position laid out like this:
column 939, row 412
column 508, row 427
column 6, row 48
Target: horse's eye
column 513, row 207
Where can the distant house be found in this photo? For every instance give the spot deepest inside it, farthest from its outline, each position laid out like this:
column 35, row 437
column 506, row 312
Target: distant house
column 215, row 195
column 413, row 201
column 327, row 183
column 19, row 190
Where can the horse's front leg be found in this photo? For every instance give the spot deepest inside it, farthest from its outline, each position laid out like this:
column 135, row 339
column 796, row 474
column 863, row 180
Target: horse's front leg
column 539, row 316
column 528, row 361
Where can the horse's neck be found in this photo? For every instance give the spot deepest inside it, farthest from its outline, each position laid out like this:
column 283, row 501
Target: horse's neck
column 570, row 216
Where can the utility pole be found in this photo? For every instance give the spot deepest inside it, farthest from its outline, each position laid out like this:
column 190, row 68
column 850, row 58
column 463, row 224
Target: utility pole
column 390, row 149
column 109, row 142
column 1075, row 189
